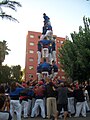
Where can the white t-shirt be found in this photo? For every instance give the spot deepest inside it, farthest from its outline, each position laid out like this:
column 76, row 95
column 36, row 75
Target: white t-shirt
column 4, row 115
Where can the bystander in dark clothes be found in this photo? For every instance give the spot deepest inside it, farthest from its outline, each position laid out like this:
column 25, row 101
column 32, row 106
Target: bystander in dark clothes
column 62, row 101
column 80, row 102
column 51, row 94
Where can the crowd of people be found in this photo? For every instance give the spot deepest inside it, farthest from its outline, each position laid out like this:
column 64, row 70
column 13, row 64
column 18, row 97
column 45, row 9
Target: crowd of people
column 46, row 98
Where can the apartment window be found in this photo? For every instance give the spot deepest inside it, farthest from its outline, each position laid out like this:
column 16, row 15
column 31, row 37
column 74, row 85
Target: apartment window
column 55, row 40
column 58, row 77
column 63, row 77
column 31, row 67
column 30, row 75
column 31, row 43
column 31, row 36
column 31, row 51
column 62, row 70
column 58, row 62
column 61, row 42
column 31, row 59
column 58, row 54
column 58, row 48
column 58, row 41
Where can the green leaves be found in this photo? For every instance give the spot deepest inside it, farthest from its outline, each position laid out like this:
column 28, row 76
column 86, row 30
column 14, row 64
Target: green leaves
column 75, row 55
column 3, row 50
column 9, row 74
column 8, row 4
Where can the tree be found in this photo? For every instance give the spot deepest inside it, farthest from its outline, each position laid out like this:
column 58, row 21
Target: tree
column 9, row 74
column 16, row 72
column 5, row 74
column 75, row 55
column 3, row 51
column 8, row 4
column 67, row 58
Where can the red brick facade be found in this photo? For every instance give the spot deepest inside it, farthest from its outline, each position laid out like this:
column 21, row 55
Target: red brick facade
column 31, row 55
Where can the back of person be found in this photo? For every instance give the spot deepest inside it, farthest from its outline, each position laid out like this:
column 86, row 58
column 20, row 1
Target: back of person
column 49, row 27
column 46, row 67
column 39, row 102
column 79, row 95
column 14, row 94
column 62, row 102
column 55, row 68
column 49, row 90
column 39, row 91
column 46, row 18
column 24, row 94
column 62, row 95
column 50, row 100
column 15, row 105
column 45, row 42
column 80, row 102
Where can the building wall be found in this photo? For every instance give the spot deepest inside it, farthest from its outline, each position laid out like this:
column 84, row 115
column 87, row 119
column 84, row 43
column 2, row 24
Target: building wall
column 59, row 42
column 31, row 55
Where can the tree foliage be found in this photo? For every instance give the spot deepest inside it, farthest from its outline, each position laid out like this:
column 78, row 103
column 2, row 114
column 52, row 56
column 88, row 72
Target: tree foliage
column 9, row 74
column 11, row 5
column 16, row 72
column 4, row 50
column 5, row 74
column 75, row 55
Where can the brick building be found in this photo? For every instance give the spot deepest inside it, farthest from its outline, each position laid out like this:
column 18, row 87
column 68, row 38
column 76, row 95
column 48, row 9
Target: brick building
column 31, row 55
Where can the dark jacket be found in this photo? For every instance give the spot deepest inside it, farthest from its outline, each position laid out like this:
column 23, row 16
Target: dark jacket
column 79, row 95
column 49, row 91
column 62, row 95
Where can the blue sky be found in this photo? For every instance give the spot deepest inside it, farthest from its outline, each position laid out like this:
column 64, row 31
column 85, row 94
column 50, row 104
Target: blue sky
column 66, row 16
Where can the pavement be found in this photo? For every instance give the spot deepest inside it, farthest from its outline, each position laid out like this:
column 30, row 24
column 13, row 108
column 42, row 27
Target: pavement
column 69, row 118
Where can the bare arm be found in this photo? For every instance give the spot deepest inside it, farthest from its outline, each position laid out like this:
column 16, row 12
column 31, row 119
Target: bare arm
column 69, row 89
column 19, row 85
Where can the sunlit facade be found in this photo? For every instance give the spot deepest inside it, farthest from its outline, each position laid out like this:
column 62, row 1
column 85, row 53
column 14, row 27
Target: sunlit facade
column 31, row 55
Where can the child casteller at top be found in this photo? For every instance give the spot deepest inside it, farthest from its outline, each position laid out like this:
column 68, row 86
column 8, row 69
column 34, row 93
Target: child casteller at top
column 47, row 31
column 46, row 19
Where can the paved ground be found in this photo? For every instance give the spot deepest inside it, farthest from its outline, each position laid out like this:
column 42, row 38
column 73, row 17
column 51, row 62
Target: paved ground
column 72, row 118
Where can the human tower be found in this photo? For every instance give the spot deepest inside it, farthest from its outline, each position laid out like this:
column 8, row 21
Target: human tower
column 46, row 51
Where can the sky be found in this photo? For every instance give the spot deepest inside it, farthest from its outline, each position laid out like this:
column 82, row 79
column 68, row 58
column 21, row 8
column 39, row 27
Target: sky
column 65, row 15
